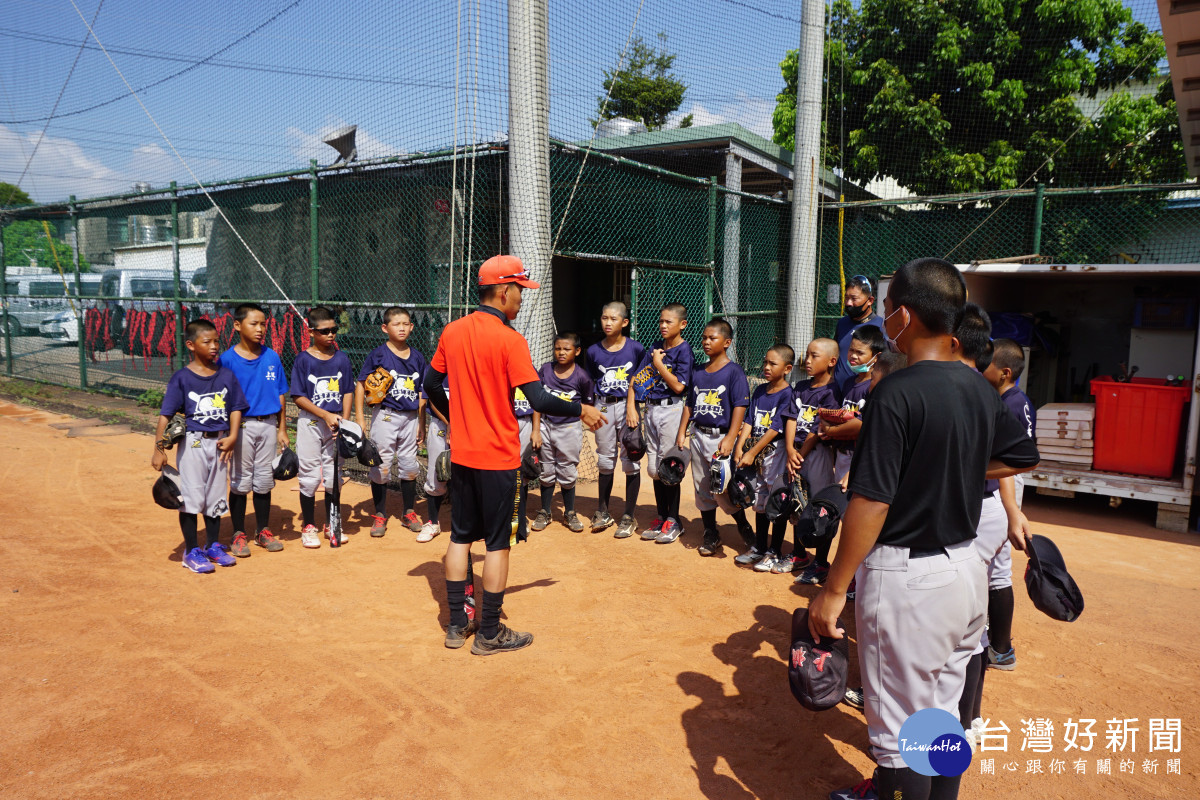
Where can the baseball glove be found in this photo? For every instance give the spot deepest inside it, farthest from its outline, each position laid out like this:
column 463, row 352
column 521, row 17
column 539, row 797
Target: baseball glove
column 174, row 433
column 836, row 416
column 376, row 386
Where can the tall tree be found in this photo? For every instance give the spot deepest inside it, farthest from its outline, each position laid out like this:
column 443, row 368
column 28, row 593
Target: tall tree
column 644, row 89
column 13, row 196
column 971, row 95
column 25, row 243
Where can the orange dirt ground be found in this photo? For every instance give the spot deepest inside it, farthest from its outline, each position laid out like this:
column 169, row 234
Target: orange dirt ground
column 655, row 673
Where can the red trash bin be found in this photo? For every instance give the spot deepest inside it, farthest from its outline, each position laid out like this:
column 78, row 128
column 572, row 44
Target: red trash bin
column 1137, row 425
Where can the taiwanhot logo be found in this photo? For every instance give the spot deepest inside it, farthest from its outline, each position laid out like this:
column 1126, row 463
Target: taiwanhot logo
column 932, row 742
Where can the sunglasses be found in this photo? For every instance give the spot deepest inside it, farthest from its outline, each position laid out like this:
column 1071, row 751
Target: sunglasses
column 327, row 331
column 861, row 281
column 522, row 275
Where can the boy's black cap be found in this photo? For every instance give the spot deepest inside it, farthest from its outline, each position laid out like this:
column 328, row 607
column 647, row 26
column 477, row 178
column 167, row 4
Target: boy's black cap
column 166, row 489
column 825, row 511
column 350, row 438
column 817, row 673
column 368, row 454
column 634, row 443
column 781, row 503
column 1051, row 588
column 531, row 464
column 741, row 488
column 671, row 470
column 286, row 465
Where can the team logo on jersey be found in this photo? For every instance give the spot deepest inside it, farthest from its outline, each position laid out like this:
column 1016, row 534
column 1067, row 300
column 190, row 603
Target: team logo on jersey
column 567, row 395
column 404, row 387
column 808, row 414
column 763, row 420
column 327, row 389
column 708, row 403
column 614, row 381
column 855, row 405
column 209, row 406
column 521, row 402
column 270, row 373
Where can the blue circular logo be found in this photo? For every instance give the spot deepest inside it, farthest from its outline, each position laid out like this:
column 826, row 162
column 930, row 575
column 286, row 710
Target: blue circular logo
column 932, row 743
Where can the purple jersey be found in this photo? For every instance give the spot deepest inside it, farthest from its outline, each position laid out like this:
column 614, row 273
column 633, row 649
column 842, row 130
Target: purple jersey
column 806, row 399
column 611, row 371
column 324, row 382
column 713, row 396
column 855, row 397
column 407, row 373
column 206, row 401
column 1023, row 409
column 575, row 387
column 679, row 360
column 765, row 407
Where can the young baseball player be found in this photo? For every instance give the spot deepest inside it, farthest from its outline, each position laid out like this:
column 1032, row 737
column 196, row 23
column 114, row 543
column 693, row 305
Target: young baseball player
column 866, row 345
column 259, row 372
column 669, row 363
column 611, row 362
column 1008, row 362
column 716, row 407
column 437, row 428
column 395, row 429
column 759, row 444
column 211, row 400
column 910, row 521
column 560, row 439
column 805, row 453
column 321, row 390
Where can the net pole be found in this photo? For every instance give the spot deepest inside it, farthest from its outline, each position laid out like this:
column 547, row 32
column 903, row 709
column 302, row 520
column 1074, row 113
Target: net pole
column 529, row 165
column 806, row 164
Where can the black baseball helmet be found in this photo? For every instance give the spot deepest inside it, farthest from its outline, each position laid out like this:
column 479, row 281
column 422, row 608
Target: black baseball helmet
column 817, row 673
column 531, row 465
column 741, row 488
column 634, row 443
column 824, row 512
column 350, row 438
column 368, row 454
column 781, row 503
column 286, row 465
column 166, row 489
column 671, row 470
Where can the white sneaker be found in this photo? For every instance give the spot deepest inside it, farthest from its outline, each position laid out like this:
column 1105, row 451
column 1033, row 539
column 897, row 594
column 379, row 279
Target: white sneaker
column 309, row 537
column 428, row 531
column 342, row 538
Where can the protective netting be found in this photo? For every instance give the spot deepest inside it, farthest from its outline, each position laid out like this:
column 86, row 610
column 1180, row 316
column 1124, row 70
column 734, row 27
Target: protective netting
column 631, row 150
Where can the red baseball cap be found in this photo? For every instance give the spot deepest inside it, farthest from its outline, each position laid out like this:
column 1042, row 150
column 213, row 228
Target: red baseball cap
column 505, row 269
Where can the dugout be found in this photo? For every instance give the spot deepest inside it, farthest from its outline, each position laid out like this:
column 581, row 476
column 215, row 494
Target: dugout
column 1092, row 318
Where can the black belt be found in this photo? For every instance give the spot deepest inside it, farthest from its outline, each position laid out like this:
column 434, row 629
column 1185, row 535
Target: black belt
column 711, row 431
column 666, row 401
column 264, row 416
column 926, row 552
column 212, row 434
column 611, row 400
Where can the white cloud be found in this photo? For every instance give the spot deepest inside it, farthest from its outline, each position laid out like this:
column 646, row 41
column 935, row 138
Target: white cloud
column 60, row 168
column 306, row 145
column 752, row 113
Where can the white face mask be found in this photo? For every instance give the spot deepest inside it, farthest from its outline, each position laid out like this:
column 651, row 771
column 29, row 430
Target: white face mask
column 891, row 343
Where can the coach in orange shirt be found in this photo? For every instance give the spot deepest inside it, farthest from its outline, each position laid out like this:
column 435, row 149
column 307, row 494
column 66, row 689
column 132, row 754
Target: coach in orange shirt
column 486, row 360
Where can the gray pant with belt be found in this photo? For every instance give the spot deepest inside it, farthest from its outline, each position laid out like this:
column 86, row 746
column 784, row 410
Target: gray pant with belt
column 661, row 428
column 252, row 469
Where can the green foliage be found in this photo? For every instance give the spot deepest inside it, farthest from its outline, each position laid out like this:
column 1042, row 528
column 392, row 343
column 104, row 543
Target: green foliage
column 26, row 239
column 976, row 95
column 151, row 398
column 644, row 90
column 10, row 195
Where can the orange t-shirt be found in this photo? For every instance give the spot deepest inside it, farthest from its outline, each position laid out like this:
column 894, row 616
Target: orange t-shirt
column 484, row 360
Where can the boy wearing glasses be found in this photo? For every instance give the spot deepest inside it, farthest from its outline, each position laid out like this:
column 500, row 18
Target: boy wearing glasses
column 859, row 310
column 322, row 388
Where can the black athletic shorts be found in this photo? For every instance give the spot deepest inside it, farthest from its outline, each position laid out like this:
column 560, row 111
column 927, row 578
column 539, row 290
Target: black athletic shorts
column 485, row 507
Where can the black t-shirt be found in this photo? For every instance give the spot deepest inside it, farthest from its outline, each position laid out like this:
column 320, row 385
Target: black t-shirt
column 927, row 436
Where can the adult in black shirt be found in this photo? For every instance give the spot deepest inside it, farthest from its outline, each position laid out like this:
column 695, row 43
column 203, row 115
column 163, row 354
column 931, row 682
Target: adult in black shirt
column 931, row 432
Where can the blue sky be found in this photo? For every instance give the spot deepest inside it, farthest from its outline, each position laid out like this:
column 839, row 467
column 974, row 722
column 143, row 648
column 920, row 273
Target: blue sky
column 262, row 104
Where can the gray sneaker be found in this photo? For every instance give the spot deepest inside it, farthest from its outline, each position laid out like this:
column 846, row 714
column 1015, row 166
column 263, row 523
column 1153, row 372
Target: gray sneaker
column 627, row 528
column 651, row 533
column 540, row 521
column 670, row 531
column 711, row 544
column 749, row 558
column 506, row 639
column 456, row 637
column 767, row 562
column 574, row 522
column 601, row 520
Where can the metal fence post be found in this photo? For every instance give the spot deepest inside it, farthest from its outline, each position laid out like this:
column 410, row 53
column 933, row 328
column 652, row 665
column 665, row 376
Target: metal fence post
column 79, row 328
column 711, row 256
column 314, row 239
column 179, row 319
column 1039, row 202
column 8, row 357
column 633, row 302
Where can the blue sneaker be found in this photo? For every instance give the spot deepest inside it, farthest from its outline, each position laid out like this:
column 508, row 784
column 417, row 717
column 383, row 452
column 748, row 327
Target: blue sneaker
column 196, row 560
column 1005, row 661
column 215, row 553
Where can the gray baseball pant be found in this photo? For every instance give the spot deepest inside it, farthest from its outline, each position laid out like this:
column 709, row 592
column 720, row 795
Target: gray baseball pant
column 919, row 621
column 203, row 477
column 315, row 450
column 991, row 540
column 252, row 469
column 608, row 441
column 841, row 464
column 524, row 430
column 769, row 477
column 818, row 468
column 435, row 445
column 661, row 428
column 703, row 446
column 395, row 436
column 561, row 444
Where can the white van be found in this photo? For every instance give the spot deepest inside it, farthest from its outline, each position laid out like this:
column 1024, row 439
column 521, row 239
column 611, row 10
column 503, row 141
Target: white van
column 146, row 283
column 49, row 298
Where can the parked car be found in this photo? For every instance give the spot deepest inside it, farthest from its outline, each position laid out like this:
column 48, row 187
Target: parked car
column 31, row 300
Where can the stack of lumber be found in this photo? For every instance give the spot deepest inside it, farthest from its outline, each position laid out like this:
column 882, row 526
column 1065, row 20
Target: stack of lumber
column 1064, row 433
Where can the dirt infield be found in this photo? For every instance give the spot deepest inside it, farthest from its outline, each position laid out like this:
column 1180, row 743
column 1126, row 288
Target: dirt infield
column 654, row 673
